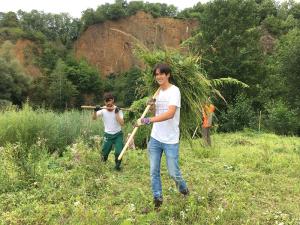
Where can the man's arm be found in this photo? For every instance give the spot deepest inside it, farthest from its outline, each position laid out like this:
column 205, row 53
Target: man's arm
column 164, row 116
column 118, row 117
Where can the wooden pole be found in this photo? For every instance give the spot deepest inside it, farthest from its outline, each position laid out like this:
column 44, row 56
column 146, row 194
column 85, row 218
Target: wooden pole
column 259, row 120
column 136, row 128
column 195, row 132
column 92, row 107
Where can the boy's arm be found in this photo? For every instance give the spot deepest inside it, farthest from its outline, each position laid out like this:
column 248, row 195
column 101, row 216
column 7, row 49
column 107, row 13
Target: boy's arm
column 94, row 115
column 118, row 117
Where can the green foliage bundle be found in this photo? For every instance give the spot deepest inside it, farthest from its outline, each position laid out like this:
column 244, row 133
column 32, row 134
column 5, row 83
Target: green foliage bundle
column 189, row 76
column 143, row 134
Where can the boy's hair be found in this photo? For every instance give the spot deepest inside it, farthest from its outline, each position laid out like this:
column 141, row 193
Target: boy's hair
column 163, row 68
column 108, row 96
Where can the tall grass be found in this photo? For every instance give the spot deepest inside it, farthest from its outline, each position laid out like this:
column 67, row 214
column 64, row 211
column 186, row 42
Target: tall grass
column 59, row 130
column 28, row 137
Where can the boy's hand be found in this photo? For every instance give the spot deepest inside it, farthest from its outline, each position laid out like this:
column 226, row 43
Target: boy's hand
column 97, row 108
column 117, row 109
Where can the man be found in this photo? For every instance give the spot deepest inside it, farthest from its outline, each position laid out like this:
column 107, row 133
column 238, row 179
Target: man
column 112, row 118
column 207, row 116
column 165, row 133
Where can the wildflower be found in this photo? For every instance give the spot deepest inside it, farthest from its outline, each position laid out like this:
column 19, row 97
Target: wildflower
column 77, row 203
column 131, row 207
column 182, row 215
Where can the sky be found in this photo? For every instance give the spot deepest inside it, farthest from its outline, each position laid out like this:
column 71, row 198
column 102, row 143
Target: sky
column 75, row 7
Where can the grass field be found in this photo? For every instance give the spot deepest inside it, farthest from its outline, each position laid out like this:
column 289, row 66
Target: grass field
column 245, row 178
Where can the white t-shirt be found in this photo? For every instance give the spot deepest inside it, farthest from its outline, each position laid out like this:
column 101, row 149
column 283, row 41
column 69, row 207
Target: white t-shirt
column 111, row 125
column 167, row 131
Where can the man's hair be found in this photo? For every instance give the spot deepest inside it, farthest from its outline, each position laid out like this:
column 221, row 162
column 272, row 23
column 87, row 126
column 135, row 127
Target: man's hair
column 163, row 68
column 108, row 96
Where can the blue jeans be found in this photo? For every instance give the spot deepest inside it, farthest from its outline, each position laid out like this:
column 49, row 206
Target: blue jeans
column 155, row 150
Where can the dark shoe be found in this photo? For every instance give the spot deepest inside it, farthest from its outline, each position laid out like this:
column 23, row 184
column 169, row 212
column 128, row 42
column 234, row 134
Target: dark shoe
column 185, row 192
column 157, row 202
column 117, row 168
column 103, row 158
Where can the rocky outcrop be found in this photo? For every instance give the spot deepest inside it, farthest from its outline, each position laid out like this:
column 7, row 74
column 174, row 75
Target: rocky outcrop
column 25, row 51
column 111, row 51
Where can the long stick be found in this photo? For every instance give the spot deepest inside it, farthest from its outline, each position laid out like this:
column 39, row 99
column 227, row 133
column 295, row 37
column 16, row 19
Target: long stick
column 195, row 132
column 136, row 128
column 92, row 107
column 259, row 121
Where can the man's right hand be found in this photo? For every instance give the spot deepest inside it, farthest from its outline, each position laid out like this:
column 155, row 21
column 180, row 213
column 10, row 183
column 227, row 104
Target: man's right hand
column 142, row 121
column 97, row 108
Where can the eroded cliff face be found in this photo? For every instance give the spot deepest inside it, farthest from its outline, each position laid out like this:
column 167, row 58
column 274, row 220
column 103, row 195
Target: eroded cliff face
column 111, row 51
column 25, row 51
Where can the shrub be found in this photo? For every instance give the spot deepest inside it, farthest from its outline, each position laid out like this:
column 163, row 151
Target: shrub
column 239, row 115
column 282, row 119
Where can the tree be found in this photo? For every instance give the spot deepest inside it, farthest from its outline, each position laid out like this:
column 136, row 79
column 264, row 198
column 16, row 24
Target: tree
column 14, row 83
column 61, row 91
column 287, row 67
column 86, row 79
column 9, row 19
column 229, row 45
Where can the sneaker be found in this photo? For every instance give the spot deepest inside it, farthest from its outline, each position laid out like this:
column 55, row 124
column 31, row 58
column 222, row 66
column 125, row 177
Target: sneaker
column 157, row 202
column 103, row 159
column 185, row 192
column 117, row 168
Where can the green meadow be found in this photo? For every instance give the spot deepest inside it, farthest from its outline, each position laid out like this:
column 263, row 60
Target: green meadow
column 51, row 173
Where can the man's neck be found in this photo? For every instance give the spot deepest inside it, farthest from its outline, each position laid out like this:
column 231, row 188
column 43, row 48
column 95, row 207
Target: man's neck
column 165, row 86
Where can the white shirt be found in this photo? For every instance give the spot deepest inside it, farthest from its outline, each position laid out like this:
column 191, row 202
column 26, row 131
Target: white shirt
column 111, row 125
column 167, row 131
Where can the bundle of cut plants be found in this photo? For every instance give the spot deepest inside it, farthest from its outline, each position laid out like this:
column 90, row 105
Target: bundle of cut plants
column 188, row 75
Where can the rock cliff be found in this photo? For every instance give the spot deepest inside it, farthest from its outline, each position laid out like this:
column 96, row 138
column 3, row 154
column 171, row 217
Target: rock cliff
column 111, row 51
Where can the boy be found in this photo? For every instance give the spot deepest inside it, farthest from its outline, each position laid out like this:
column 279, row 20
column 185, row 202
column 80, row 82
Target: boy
column 112, row 118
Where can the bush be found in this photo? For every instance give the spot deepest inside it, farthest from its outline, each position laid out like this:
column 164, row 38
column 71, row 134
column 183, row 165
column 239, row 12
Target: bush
column 4, row 104
column 21, row 165
column 239, row 115
column 11, row 33
column 282, row 119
